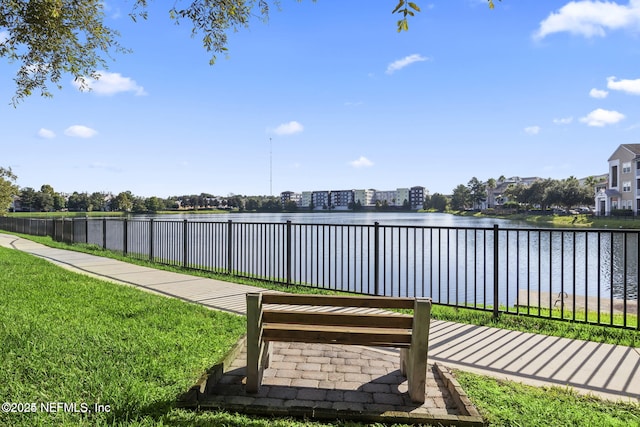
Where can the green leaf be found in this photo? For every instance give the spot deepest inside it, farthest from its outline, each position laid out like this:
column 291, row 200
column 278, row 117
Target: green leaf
column 414, row 6
column 400, row 4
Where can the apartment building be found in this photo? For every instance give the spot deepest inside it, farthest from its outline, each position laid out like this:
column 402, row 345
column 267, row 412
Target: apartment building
column 341, row 199
column 386, row 196
column 290, row 196
column 305, row 199
column 623, row 189
column 320, row 199
column 365, row 197
column 402, row 196
column 417, row 197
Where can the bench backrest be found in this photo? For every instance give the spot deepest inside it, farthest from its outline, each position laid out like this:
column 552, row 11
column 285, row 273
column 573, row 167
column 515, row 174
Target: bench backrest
column 335, row 318
column 364, row 301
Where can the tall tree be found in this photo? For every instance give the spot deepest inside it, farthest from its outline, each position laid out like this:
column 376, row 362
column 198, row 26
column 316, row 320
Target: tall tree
column 477, row 191
column 8, row 189
column 50, row 38
column 461, row 198
column 438, row 202
column 28, row 199
column 123, row 202
column 78, row 202
column 491, row 185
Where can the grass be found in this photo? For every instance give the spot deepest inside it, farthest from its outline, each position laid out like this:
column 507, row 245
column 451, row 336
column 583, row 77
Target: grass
column 556, row 328
column 565, row 221
column 506, row 403
column 71, row 338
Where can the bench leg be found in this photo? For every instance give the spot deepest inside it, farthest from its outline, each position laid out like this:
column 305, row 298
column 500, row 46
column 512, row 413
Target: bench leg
column 404, row 356
column 417, row 357
column 254, row 342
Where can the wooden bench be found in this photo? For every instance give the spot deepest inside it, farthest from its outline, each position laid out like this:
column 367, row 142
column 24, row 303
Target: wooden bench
column 354, row 320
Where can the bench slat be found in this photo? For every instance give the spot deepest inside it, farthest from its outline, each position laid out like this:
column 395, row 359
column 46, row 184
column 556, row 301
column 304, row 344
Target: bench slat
column 338, row 300
column 338, row 319
column 400, row 338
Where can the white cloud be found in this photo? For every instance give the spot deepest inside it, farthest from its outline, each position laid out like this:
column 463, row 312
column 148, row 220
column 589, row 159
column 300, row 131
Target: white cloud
column 602, row 117
column 591, row 18
column 288, row 128
column 110, row 83
column 80, row 131
column 46, row 133
column 361, row 162
column 597, row 93
column 563, row 121
column 532, row 130
column 404, row 62
column 629, row 86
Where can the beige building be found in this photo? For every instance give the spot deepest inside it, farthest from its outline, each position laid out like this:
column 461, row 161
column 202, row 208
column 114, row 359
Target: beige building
column 623, row 190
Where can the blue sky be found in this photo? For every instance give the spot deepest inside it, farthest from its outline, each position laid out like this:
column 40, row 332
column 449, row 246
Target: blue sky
column 531, row 88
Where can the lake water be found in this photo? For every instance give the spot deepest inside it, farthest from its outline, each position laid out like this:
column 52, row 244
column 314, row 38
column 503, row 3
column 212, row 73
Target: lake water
column 359, row 218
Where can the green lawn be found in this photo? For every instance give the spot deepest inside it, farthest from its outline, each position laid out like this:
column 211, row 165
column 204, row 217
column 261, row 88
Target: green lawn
column 70, row 338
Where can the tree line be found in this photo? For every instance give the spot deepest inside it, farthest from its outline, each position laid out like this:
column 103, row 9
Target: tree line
column 542, row 193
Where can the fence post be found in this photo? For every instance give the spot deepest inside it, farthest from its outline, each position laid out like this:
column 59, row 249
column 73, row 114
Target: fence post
column 229, row 247
column 104, row 233
column 495, row 271
column 125, row 233
column 55, row 230
column 185, row 244
column 73, row 230
column 288, row 249
column 376, row 258
column 86, row 230
column 151, row 240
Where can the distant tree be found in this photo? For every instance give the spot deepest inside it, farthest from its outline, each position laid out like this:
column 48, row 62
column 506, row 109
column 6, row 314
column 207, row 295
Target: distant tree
column 154, row 204
column 28, row 199
column 290, row 206
column 43, row 201
column 426, row 202
column 8, row 189
column 271, row 205
column 477, row 191
column 139, row 205
column 97, row 201
column 406, row 206
column 123, row 202
column 78, row 202
column 59, row 202
column 438, row 202
column 569, row 193
column 491, row 185
column 461, row 198
column 356, row 206
column 252, row 205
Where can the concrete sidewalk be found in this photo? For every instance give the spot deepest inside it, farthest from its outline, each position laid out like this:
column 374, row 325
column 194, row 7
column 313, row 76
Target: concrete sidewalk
column 608, row 371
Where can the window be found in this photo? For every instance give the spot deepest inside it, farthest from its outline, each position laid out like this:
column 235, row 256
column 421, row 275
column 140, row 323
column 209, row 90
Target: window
column 626, row 186
column 626, row 167
column 614, row 176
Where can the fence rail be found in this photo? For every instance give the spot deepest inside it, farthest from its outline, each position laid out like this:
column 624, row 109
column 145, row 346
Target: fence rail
column 588, row 276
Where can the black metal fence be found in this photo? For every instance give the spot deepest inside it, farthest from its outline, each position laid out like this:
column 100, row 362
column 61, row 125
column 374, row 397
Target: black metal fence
column 586, row 276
